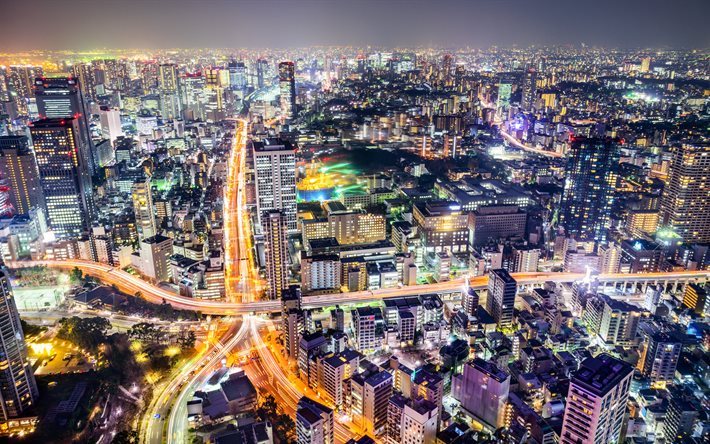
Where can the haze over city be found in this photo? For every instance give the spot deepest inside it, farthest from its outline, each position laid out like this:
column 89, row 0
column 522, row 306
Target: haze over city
column 282, row 23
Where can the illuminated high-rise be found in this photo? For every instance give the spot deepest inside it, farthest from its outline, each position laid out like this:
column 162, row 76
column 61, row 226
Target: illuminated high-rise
column 237, row 75
column 19, row 168
column 287, row 88
column 686, row 203
column 169, row 86
column 61, row 98
column 596, row 401
column 590, row 185
column 262, row 71
column 529, row 89
column 20, row 81
column 143, row 208
column 275, row 252
column 275, row 176
column 18, row 389
column 64, row 176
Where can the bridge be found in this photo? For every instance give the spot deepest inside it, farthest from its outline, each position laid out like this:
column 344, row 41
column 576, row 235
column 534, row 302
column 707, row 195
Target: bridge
column 133, row 284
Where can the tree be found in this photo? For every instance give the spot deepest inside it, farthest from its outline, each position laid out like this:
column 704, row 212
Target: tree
column 187, row 341
column 87, row 333
column 76, row 275
column 125, row 437
column 145, row 331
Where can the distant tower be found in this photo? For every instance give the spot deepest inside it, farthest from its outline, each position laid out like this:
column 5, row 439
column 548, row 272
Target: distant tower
column 18, row 390
column 590, row 188
column 237, row 75
column 529, row 88
column 276, row 251
column 169, row 85
column 287, row 87
column 64, row 176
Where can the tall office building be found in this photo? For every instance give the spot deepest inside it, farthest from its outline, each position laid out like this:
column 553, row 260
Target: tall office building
column 505, row 89
column 237, row 75
column 84, row 73
column 596, row 401
column 314, row 422
column 287, row 88
column 64, row 176
column 61, row 98
column 529, row 89
column 589, row 191
column 262, row 71
column 275, row 176
column 686, row 204
column 169, row 86
column 501, row 297
column 18, row 390
column 482, row 389
column 275, row 251
column 111, row 128
column 18, row 167
column 143, row 208
column 21, row 80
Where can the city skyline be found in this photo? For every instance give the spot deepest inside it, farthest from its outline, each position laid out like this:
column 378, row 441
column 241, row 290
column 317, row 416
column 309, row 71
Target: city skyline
column 397, row 23
column 389, row 224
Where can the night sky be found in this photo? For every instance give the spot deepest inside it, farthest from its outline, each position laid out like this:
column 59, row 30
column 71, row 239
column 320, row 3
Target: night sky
column 87, row 24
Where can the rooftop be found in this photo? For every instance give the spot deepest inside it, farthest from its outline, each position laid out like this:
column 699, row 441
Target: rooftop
column 601, row 374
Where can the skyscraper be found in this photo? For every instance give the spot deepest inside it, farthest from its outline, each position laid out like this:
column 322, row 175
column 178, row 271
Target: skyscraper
column 60, row 97
column 505, row 89
column 237, row 75
column 287, row 88
column 275, row 176
column 143, row 208
column 18, row 390
column 275, row 251
column 596, row 401
column 20, row 81
column 64, row 176
column 314, row 422
column 169, row 85
column 529, row 89
column 589, row 191
column 501, row 297
column 19, row 168
column 110, row 123
column 262, row 70
column 686, row 204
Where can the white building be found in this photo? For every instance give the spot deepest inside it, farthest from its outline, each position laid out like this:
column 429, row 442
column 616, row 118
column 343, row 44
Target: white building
column 275, row 176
